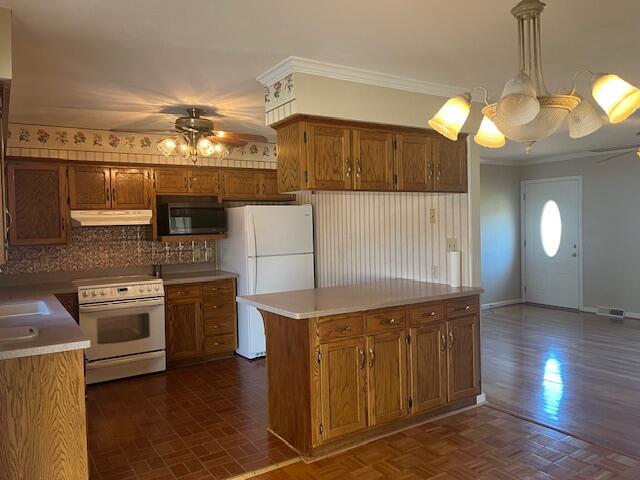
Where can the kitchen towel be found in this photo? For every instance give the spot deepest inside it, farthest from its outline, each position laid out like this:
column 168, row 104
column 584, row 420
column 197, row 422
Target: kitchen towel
column 454, row 268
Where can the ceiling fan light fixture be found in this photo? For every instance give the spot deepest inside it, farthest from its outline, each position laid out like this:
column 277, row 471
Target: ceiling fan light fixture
column 488, row 135
column 452, row 116
column 205, row 147
column 618, row 98
column 519, row 104
column 584, row 120
column 167, row 146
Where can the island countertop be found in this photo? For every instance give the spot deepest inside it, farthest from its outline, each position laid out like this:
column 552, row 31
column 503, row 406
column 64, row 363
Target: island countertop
column 319, row 302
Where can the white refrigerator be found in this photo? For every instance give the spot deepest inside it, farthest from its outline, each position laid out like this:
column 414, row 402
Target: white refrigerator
column 271, row 249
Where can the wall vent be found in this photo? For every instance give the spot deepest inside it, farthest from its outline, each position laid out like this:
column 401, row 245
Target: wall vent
column 614, row 312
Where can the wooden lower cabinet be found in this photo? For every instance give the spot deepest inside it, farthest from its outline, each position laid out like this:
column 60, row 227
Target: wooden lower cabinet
column 370, row 372
column 343, row 391
column 200, row 321
column 386, row 377
column 428, row 367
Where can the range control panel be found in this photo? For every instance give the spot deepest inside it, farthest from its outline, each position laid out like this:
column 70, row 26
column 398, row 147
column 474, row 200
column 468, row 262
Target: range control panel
column 107, row 293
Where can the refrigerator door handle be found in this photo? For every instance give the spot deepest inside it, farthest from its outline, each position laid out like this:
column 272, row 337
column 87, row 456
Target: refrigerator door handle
column 255, row 252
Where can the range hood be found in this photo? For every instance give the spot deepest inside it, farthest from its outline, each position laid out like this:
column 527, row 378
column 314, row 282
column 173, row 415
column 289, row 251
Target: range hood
column 95, row 218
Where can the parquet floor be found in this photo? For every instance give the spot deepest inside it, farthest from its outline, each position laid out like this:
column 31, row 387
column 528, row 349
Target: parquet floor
column 479, row 444
column 202, row 422
column 577, row 372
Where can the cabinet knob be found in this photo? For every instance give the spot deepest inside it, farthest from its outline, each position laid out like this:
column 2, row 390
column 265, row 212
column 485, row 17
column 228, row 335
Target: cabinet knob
column 467, row 307
column 430, row 314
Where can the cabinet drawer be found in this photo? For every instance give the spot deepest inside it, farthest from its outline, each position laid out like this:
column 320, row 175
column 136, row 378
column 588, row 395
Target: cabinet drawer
column 184, row 291
column 217, row 310
column 220, row 343
column 340, row 326
column 462, row 307
column 381, row 321
column 426, row 313
column 221, row 287
column 217, row 326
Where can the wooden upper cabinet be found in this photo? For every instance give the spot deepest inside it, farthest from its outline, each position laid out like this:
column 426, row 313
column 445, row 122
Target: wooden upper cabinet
column 204, row 181
column 386, row 375
column 130, row 188
column 184, row 328
column 37, row 201
column 414, row 163
column 450, row 165
column 328, row 158
column 428, row 367
column 372, row 160
column 90, row 187
column 171, row 180
column 343, row 392
column 463, row 343
column 269, row 186
column 239, row 185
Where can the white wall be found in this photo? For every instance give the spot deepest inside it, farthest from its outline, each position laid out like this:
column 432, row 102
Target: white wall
column 500, row 233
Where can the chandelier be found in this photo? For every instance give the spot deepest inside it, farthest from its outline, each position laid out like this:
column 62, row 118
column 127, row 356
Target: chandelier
column 194, row 137
column 526, row 111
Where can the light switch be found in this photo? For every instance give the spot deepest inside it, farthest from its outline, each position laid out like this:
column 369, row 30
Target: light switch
column 452, row 244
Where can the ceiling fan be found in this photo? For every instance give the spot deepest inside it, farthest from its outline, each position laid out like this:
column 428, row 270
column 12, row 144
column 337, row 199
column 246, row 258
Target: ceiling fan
column 194, row 135
column 621, row 151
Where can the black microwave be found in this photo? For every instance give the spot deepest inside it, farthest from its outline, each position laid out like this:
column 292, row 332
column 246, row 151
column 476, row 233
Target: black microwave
column 191, row 218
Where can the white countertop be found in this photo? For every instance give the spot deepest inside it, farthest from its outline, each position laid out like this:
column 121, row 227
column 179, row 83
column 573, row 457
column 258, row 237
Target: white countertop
column 318, row 302
column 196, row 277
column 57, row 331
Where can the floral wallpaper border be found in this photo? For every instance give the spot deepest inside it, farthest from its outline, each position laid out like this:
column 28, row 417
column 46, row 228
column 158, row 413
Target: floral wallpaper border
column 82, row 139
column 281, row 92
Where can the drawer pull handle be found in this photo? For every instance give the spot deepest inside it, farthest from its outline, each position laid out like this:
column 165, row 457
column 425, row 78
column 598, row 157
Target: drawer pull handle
column 451, row 341
column 345, row 329
column 467, row 307
column 372, row 359
column 361, row 359
column 218, row 343
column 443, row 342
column 214, row 306
column 430, row 314
column 391, row 321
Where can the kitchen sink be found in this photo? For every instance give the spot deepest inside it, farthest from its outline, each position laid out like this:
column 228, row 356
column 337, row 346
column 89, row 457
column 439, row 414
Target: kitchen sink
column 11, row 310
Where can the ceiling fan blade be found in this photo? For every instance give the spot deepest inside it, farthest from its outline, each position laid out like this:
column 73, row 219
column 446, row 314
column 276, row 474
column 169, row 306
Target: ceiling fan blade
column 141, row 130
column 613, row 149
column 613, row 157
column 229, row 142
column 222, row 135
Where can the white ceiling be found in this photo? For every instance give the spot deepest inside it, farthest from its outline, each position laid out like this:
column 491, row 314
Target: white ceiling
column 117, row 63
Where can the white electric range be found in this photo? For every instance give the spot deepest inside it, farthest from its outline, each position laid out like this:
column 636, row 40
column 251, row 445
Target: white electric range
column 124, row 319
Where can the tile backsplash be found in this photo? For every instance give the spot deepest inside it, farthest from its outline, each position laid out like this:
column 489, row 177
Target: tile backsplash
column 95, row 248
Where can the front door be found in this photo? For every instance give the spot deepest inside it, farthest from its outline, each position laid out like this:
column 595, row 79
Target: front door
column 552, row 242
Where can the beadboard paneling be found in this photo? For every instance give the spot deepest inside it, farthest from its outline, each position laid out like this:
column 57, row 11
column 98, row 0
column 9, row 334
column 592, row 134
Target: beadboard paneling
column 367, row 236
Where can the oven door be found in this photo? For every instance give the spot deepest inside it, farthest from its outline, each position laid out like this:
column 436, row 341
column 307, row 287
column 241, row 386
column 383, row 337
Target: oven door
column 123, row 328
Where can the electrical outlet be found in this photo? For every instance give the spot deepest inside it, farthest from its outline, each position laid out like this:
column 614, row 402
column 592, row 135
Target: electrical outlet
column 452, row 244
column 435, row 272
column 432, row 216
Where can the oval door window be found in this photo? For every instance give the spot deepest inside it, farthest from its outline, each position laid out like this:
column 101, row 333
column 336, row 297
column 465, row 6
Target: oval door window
column 550, row 228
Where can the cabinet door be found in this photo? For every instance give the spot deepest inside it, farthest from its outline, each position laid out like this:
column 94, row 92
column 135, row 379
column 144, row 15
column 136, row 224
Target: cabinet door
column 90, row 188
column 37, row 201
column 450, row 165
column 269, row 186
column 342, row 385
column 129, row 188
column 414, row 163
column 204, row 181
column 386, row 375
column 464, row 358
column 328, row 163
column 428, row 367
column 373, row 160
column 240, row 185
column 184, row 328
column 171, row 181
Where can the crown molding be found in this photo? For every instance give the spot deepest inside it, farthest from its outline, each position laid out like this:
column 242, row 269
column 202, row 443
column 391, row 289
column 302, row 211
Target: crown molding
column 342, row 72
column 524, row 162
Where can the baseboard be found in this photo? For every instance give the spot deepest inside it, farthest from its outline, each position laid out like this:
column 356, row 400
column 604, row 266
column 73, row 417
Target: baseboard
column 634, row 315
column 503, row 303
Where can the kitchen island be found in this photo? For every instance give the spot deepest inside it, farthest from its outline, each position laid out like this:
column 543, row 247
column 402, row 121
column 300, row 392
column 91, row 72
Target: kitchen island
column 350, row 363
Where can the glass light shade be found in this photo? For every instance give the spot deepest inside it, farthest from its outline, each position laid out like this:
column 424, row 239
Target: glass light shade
column 206, row 147
column 167, row 146
column 451, row 116
column 183, row 146
column 519, row 103
column 488, row 135
column 584, row 120
column 554, row 110
column 617, row 98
